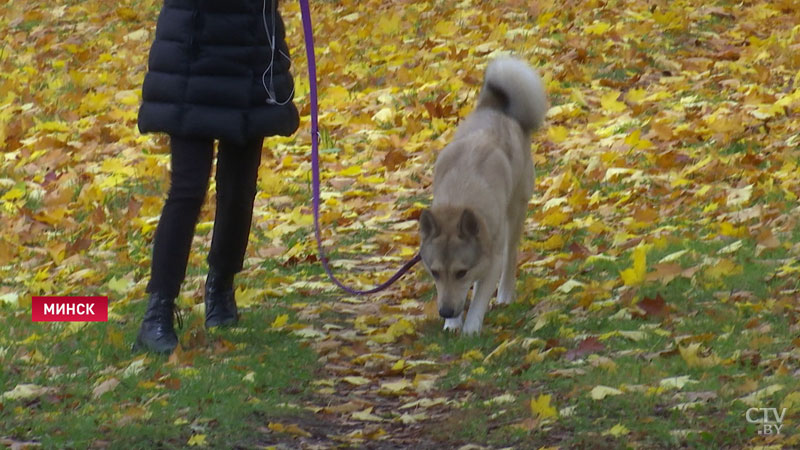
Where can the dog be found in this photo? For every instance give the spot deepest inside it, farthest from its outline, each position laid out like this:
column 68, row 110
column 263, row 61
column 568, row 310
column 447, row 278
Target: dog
column 482, row 183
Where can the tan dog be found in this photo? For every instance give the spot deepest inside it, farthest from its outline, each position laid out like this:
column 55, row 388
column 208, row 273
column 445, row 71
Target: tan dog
column 482, row 183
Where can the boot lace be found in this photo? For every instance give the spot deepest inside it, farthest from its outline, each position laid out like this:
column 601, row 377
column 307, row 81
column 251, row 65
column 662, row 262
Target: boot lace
column 178, row 316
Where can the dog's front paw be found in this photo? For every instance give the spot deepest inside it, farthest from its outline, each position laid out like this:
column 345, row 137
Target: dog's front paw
column 453, row 324
column 471, row 328
column 505, row 297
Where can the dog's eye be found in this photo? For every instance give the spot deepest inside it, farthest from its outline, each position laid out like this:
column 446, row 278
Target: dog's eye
column 461, row 274
column 435, row 274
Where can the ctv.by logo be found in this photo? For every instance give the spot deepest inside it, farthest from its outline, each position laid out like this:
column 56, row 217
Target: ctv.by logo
column 771, row 422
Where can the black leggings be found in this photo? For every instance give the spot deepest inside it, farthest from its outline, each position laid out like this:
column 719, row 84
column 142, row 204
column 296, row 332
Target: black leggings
column 237, row 174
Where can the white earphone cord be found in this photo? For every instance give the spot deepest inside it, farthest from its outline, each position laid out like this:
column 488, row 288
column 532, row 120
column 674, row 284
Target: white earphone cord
column 270, row 90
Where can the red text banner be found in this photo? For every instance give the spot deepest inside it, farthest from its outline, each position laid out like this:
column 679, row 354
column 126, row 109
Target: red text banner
column 69, row 309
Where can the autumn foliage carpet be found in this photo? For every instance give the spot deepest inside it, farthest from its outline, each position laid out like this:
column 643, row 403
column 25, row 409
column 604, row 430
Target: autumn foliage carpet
column 658, row 293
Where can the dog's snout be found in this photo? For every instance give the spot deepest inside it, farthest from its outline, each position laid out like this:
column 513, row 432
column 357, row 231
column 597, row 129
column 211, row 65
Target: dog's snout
column 447, row 312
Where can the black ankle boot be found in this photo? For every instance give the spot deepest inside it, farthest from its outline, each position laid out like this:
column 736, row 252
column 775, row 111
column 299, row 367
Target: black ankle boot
column 220, row 302
column 157, row 333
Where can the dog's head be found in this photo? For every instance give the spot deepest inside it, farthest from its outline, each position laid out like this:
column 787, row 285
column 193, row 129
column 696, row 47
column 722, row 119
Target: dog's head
column 451, row 250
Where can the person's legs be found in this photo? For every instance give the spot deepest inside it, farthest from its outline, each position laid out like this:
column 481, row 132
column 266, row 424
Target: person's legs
column 237, row 176
column 191, row 167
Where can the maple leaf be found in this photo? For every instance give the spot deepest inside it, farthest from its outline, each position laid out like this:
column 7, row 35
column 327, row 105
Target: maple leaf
column 597, row 28
column 197, row 440
column 600, row 392
column 665, row 272
column 617, row 431
column 357, row 380
column 280, row 321
column 610, row 103
column 694, row 358
column 505, row 345
column 366, row 416
column 25, row 391
column 288, row 429
column 652, row 307
column 472, row 355
column 636, row 273
column 723, row 268
column 398, row 329
column 757, row 397
column 676, row 382
column 554, row 217
column 634, row 140
column 395, row 387
column 248, row 297
column 541, row 408
column 104, row 387
column 767, row 239
column 791, row 401
column 558, row 133
column 445, row 28
column 585, row 347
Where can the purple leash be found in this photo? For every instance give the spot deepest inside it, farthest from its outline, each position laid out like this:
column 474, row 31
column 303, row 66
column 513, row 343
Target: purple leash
column 312, row 82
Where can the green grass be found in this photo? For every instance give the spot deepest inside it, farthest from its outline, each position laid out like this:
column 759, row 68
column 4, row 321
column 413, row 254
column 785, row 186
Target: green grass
column 732, row 330
column 209, row 392
column 229, row 385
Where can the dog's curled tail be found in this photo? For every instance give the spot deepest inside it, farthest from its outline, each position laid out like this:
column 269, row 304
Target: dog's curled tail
column 513, row 87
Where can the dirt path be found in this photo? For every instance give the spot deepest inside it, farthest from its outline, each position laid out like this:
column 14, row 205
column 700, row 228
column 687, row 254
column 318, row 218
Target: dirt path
column 373, row 389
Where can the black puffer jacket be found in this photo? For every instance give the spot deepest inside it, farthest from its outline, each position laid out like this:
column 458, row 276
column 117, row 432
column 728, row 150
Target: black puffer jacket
column 205, row 72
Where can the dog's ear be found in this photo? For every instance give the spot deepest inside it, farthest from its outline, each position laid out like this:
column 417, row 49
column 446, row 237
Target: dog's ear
column 468, row 224
column 428, row 227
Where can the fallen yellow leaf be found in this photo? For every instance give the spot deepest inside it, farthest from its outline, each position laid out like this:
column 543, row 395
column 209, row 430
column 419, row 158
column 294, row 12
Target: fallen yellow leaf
column 366, row 416
column 541, row 408
column 636, row 273
column 288, row 429
column 617, row 430
column 610, row 103
column 356, row 380
column 597, row 28
column 280, row 321
column 197, row 440
column 600, row 392
column 691, row 354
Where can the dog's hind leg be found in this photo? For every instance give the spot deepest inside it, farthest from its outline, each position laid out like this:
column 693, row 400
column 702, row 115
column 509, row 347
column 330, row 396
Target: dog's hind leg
column 508, row 281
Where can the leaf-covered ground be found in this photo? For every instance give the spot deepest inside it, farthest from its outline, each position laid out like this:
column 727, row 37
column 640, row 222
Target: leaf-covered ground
column 658, row 292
